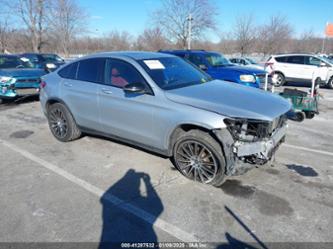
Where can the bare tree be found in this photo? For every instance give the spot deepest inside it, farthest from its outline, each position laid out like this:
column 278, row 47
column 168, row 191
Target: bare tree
column 152, row 39
column 33, row 15
column 4, row 34
column 274, row 36
column 118, row 41
column 67, row 19
column 307, row 42
column 244, row 33
column 172, row 18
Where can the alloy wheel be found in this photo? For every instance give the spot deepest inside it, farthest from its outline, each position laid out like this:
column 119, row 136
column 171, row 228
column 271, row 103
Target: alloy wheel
column 58, row 123
column 196, row 161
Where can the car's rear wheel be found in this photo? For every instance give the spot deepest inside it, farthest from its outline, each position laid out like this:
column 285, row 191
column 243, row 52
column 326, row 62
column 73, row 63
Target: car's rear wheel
column 62, row 123
column 199, row 157
column 280, row 80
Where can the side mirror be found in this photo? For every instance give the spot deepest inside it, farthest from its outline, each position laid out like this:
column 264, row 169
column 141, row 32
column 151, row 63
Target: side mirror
column 203, row 67
column 50, row 67
column 322, row 64
column 134, row 88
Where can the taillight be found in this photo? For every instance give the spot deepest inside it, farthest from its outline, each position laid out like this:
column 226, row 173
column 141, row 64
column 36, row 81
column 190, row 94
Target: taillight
column 42, row 84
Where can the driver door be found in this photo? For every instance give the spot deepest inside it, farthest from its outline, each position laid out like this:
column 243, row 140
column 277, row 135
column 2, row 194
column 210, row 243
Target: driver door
column 122, row 114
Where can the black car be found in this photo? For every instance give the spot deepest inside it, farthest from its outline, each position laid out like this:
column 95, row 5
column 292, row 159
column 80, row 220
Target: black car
column 50, row 62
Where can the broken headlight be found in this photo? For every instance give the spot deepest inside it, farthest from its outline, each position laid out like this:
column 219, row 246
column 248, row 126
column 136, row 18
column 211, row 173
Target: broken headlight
column 5, row 80
column 248, row 130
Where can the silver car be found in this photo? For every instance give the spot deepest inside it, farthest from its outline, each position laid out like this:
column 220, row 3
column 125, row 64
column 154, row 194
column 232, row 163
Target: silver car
column 210, row 128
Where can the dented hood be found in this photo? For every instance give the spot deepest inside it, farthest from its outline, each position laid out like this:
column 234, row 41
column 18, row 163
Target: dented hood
column 232, row 100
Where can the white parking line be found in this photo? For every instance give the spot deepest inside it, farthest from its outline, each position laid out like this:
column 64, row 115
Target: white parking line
column 308, row 149
column 138, row 212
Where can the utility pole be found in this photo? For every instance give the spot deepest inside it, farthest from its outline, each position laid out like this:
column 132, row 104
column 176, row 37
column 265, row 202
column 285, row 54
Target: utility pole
column 324, row 40
column 189, row 34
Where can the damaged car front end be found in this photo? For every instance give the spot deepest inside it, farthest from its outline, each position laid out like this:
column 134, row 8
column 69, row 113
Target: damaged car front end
column 248, row 143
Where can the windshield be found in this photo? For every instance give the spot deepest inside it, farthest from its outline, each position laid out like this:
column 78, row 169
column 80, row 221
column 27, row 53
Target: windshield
column 52, row 58
column 327, row 60
column 173, row 72
column 217, row 60
column 14, row 62
column 251, row 61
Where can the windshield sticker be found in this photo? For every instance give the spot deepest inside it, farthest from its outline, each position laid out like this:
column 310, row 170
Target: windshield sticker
column 154, row 64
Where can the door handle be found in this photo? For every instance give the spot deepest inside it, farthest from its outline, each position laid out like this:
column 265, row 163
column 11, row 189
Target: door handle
column 68, row 84
column 106, row 91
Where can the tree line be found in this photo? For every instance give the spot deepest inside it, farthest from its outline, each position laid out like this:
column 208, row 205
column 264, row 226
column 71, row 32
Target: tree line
column 61, row 26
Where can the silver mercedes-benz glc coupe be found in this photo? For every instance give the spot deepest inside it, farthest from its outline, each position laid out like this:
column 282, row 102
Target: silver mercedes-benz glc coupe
column 210, row 128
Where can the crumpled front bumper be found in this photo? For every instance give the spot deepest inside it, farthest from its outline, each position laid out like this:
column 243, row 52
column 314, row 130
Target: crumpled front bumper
column 238, row 154
column 265, row 147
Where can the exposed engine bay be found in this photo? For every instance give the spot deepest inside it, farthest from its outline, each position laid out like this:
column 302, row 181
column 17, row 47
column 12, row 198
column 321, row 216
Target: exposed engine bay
column 252, row 142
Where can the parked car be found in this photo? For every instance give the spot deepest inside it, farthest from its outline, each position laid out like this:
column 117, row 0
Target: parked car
column 49, row 62
column 164, row 104
column 247, row 62
column 300, row 68
column 18, row 77
column 219, row 67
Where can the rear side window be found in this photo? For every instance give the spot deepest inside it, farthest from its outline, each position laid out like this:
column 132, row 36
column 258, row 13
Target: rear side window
column 296, row 60
column 69, row 72
column 281, row 59
column 91, row 70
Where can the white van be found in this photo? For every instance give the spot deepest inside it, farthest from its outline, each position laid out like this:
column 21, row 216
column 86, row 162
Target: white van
column 300, row 68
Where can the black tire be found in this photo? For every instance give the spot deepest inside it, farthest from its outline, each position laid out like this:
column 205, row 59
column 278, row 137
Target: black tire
column 330, row 83
column 300, row 116
column 310, row 115
column 199, row 157
column 280, row 79
column 62, row 123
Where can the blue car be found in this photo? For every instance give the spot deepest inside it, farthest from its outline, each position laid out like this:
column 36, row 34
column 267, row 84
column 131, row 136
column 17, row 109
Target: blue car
column 49, row 62
column 219, row 67
column 18, row 78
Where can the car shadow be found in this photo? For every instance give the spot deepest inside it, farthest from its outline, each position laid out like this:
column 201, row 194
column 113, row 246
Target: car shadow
column 122, row 222
column 118, row 141
column 8, row 103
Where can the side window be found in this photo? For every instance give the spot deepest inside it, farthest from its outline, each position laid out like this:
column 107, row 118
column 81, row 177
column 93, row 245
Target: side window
column 195, row 59
column 33, row 58
column 296, row 60
column 313, row 61
column 281, row 59
column 120, row 73
column 181, row 55
column 69, row 72
column 91, row 70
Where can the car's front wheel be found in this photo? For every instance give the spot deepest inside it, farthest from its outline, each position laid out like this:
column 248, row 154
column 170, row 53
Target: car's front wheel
column 199, row 157
column 62, row 123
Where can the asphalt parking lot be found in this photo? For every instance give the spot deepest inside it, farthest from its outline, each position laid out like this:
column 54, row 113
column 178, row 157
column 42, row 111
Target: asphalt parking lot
column 94, row 189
